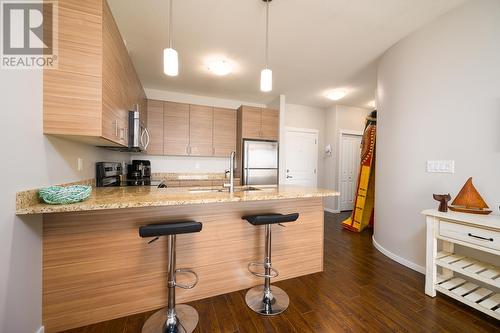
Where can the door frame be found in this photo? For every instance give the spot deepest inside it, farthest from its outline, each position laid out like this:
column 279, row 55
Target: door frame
column 339, row 156
column 301, row 130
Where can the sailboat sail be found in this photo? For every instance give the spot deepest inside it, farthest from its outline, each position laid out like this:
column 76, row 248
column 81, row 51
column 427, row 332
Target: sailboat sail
column 469, row 197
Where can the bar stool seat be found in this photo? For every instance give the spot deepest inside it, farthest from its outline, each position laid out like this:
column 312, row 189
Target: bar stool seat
column 264, row 219
column 174, row 318
column 266, row 299
column 165, row 229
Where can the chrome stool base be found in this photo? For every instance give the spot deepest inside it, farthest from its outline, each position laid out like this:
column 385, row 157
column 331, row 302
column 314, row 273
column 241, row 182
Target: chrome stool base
column 269, row 305
column 187, row 319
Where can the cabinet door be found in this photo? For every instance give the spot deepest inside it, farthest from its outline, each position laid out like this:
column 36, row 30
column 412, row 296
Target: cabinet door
column 224, row 131
column 155, row 127
column 115, row 106
column 201, row 130
column 270, row 124
column 251, row 122
column 175, row 128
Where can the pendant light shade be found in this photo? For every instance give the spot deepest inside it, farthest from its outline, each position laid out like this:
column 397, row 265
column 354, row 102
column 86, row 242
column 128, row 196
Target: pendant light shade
column 170, row 62
column 170, row 56
column 266, row 75
column 266, row 80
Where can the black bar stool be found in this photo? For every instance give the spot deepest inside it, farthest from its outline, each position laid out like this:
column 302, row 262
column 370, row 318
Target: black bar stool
column 174, row 318
column 264, row 299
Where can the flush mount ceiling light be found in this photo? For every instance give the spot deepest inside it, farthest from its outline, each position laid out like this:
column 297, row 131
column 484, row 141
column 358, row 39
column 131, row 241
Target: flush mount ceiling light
column 336, row 94
column 266, row 75
column 220, row 67
column 170, row 56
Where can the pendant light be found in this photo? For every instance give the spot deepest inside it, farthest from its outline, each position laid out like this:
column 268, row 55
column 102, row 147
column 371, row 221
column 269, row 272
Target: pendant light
column 266, row 75
column 170, row 56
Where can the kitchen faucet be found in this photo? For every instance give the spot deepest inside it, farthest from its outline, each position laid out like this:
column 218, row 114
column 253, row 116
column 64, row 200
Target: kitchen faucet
column 231, row 172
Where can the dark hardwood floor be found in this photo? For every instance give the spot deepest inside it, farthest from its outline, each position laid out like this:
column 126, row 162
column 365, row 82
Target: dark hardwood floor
column 360, row 290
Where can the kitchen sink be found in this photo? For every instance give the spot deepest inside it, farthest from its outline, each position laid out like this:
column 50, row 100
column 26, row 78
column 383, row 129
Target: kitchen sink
column 222, row 190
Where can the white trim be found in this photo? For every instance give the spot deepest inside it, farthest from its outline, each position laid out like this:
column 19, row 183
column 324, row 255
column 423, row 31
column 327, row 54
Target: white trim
column 339, row 154
column 302, row 130
column 41, row 329
column 334, row 211
column 398, row 259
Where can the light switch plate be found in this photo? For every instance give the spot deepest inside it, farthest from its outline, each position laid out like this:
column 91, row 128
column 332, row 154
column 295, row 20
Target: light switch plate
column 441, row 166
column 79, row 164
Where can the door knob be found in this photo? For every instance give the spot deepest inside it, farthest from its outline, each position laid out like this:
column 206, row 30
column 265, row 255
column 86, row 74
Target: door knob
column 289, row 177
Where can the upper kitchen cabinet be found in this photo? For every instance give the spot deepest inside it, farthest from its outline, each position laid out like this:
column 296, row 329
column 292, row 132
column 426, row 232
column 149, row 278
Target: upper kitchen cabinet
column 181, row 129
column 251, row 122
column 224, row 132
column 201, row 130
column 155, row 127
column 258, row 123
column 95, row 85
column 270, row 124
column 176, row 128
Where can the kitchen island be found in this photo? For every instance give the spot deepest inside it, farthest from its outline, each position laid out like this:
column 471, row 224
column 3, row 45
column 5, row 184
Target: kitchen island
column 96, row 267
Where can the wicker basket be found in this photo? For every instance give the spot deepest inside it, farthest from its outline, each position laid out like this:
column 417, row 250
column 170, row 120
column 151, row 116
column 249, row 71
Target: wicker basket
column 61, row 195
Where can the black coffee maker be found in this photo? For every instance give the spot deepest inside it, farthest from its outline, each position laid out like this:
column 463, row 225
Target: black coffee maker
column 139, row 173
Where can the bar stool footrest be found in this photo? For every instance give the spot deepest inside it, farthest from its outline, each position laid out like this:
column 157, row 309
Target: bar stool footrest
column 274, row 272
column 186, row 271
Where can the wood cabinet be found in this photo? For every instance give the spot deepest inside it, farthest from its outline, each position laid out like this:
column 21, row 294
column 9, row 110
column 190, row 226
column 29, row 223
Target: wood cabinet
column 258, row 123
column 88, row 96
column 201, row 130
column 270, row 124
column 224, row 132
column 251, row 119
column 155, row 127
column 181, row 129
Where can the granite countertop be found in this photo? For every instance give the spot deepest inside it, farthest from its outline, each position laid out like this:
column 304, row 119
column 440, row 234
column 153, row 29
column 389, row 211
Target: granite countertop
column 148, row 196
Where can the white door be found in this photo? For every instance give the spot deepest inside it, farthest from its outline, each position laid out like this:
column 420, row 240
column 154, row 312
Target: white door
column 301, row 157
column 350, row 155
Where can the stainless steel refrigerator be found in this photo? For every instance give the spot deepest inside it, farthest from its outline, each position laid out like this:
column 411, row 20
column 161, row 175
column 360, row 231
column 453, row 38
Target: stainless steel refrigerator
column 260, row 162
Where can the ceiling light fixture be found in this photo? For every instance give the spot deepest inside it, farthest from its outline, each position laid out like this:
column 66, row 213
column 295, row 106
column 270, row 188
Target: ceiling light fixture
column 220, row 67
column 336, row 94
column 170, row 56
column 266, row 75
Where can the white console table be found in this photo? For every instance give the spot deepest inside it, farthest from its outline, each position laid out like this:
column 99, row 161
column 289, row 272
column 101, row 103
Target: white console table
column 463, row 278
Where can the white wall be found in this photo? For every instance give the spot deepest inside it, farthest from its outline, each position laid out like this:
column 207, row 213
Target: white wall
column 339, row 117
column 190, row 163
column 30, row 160
column 438, row 98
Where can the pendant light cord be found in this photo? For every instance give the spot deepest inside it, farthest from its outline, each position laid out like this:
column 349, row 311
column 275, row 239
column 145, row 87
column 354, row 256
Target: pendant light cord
column 170, row 24
column 267, row 34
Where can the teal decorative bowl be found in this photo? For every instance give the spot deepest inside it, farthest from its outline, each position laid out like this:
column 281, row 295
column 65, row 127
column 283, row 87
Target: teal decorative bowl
column 62, row 195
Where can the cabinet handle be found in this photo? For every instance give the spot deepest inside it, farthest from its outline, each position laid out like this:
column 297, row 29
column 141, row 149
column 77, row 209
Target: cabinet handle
column 116, row 127
column 479, row 237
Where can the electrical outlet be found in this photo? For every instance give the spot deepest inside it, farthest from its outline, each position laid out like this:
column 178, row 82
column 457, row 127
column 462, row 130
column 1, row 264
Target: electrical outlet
column 79, row 164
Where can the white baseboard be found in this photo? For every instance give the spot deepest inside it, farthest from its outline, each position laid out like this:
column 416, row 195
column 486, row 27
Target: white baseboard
column 334, row 211
column 41, row 329
column 397, row 258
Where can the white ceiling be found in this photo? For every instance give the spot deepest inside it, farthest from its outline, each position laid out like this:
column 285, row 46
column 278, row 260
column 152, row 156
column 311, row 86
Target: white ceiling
column 316, row 45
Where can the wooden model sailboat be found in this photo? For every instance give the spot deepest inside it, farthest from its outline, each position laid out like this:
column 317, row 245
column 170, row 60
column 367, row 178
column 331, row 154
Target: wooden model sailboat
column 469, row 200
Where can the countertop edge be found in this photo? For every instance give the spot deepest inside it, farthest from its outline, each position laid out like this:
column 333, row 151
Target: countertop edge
column 55, row 209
